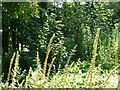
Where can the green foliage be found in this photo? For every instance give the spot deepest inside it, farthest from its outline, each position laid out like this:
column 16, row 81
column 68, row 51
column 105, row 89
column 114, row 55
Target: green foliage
column 28, row 28
column 71, row 76
column 74, row 78
column 77, row 79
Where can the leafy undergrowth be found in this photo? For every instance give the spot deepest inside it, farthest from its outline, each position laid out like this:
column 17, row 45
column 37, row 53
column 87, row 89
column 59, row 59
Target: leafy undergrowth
column 73, row 77
column 70, row 77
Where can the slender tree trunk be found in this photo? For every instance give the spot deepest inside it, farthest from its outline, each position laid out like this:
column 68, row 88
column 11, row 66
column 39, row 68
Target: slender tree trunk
column 13, row 31
column 78, row 40
column 14, row 40
column 5, row 41
column 21, row 39
column 17, row 32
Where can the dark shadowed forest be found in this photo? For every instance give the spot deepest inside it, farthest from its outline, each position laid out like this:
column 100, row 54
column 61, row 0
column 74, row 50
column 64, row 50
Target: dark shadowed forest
column 60, row 44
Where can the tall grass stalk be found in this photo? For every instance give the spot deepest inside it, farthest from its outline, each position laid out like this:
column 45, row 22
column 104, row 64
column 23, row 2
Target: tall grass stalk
column 27, row 78
column 66, row 65
column 10, row 67
column 92, row 66
column 21, row 84
column 73, row 50
column 38, row 62
column 108, row 77
column 51, row 64
column 16, row 66
column 47, row 54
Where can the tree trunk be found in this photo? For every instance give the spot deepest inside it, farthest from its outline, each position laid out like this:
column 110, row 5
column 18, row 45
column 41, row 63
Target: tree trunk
column 13, row 31
column 5, row 41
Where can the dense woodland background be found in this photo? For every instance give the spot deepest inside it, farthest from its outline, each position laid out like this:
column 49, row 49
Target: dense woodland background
column 28, row 27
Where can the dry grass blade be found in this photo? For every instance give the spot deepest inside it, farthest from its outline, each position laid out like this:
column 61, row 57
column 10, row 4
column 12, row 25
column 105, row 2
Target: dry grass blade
column 47, row 54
